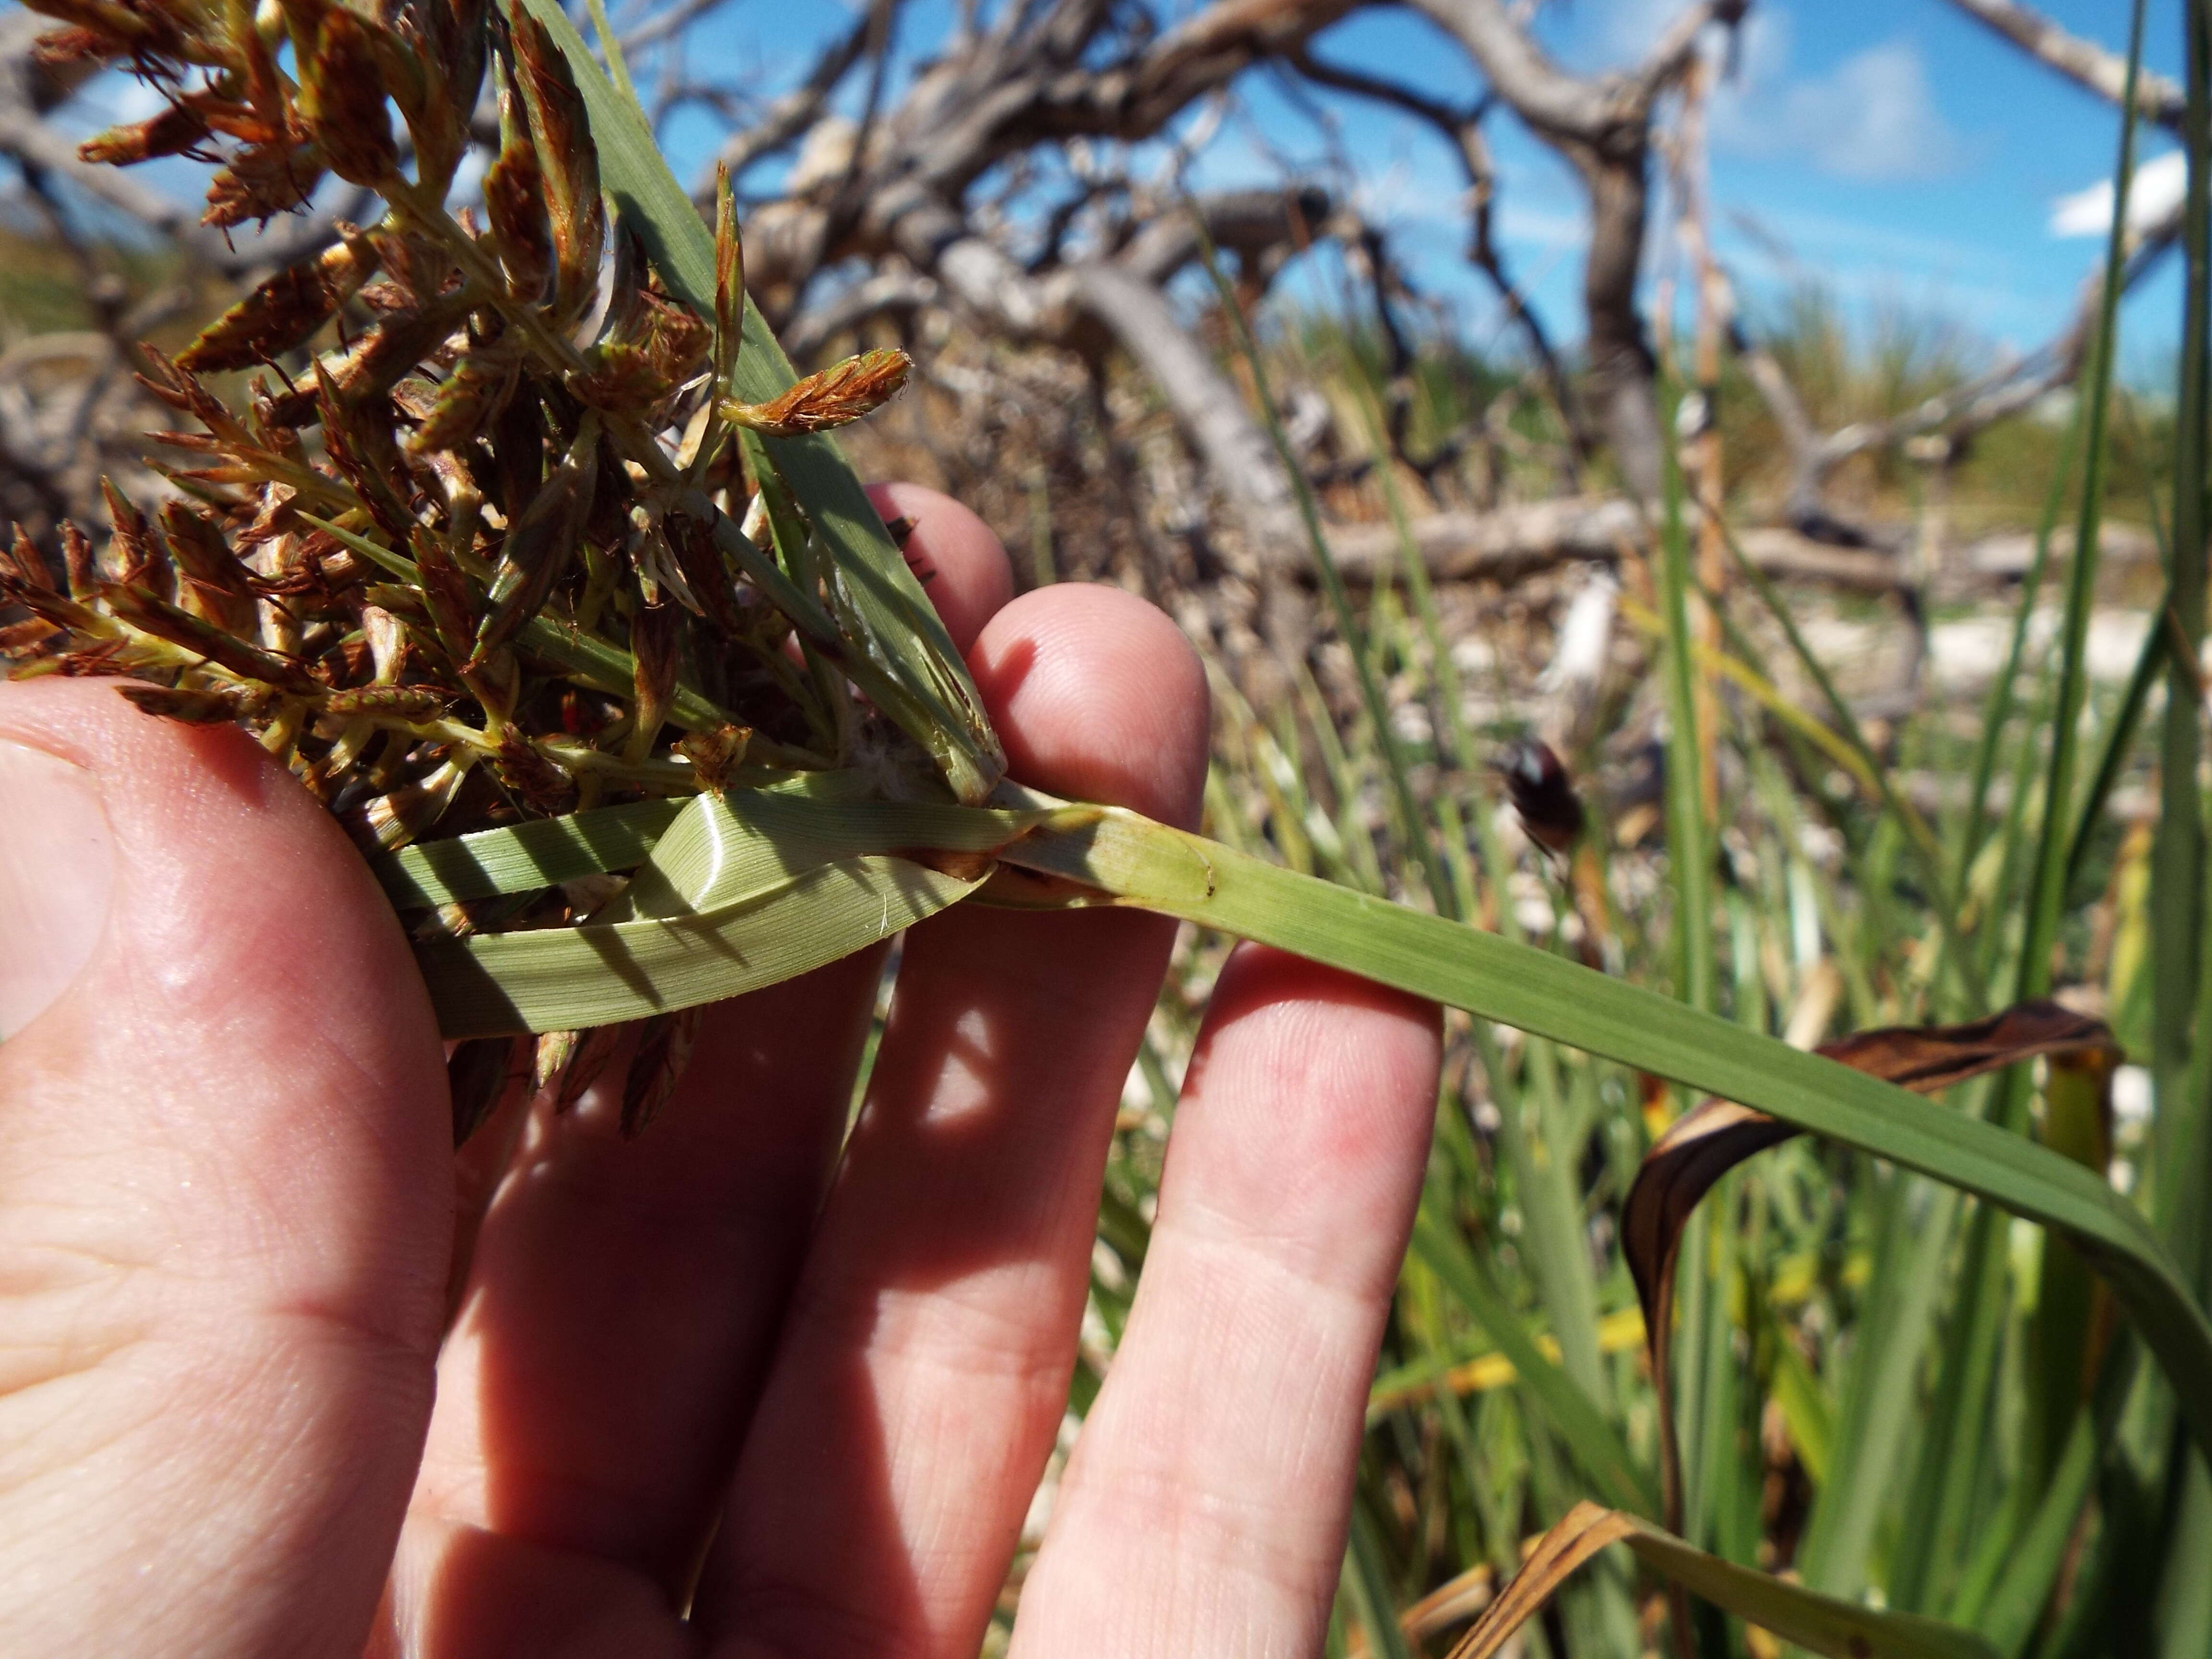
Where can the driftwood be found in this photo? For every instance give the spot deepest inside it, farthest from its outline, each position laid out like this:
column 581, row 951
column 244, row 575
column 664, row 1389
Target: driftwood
column 998, row 187
column 1517, row 540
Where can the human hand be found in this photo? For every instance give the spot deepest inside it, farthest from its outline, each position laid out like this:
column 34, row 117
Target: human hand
column 228, row 1203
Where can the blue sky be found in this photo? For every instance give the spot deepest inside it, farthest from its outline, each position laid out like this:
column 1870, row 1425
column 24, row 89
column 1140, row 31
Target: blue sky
column 1891, row 149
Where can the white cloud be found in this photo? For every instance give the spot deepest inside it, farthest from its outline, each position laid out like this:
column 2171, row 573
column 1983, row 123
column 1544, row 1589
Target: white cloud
column 2154, row 194
column 1873, row 116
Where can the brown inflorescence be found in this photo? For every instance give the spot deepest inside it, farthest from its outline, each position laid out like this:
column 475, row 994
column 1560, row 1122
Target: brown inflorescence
column 452, row 567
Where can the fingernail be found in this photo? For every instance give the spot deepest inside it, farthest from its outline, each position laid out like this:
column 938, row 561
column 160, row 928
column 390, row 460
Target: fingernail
column 57, row 867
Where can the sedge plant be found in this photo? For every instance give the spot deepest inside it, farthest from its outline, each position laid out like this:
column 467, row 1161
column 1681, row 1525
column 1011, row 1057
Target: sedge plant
column 550, row 584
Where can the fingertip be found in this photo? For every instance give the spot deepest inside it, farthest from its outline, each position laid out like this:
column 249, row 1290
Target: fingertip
column 959, row 559
column 1257, row 975
column 1096, row 695
column 1310, row 1088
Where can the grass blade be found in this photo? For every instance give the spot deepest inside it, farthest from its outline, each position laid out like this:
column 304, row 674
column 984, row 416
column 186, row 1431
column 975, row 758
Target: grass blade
column 2047, row 884
column 1689, row 841
column 1595, row 1446
column 1165, row 870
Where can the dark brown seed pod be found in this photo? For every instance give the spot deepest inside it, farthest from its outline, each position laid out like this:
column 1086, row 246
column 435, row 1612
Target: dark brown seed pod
column 1542, row 794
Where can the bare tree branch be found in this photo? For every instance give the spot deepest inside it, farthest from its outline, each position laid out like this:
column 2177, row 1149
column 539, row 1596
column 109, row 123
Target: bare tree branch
column 2084, row 63
column 1603, row 126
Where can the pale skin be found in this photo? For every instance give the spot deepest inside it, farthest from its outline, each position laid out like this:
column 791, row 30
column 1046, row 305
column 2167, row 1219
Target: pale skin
column 820, row 1386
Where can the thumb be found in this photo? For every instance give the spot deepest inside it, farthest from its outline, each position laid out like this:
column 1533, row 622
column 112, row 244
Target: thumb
column 225, row 1195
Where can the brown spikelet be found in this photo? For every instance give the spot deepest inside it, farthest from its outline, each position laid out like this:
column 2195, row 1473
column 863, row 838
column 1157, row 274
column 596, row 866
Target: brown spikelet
column 729, row 277
column 412, row 702
column 136, row 555
column 569, row 1062
column 714, row 755
column 655, row 631
column 664, row 1054
column 175, row 130
column 477, row 1075
column 675, row 341
column 60, row 48
column 393, row 819
column 540, row 784
column 342, row 94
column 262, row 181
column 567, row 162
column 620, row 379
column 353, row 430
column 79, row 563
column 178, row 388
column 514, row 199
column 540, row 545
column 151, row 31
column 838, row 396
column 216, row 585
column 704, row 571
column 481, row 382
column 387, row 643
column 212, row 707
column 152, row 614
column 283, row 311
column 448, row 593
column 22, row 641
column 29, row 565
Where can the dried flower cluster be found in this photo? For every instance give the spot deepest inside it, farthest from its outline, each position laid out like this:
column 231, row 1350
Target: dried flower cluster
column 486, row 557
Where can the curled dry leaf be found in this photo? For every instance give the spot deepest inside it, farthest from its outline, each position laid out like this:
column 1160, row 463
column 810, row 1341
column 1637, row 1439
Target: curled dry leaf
column 1705, row 1143
column 1820, row 1623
